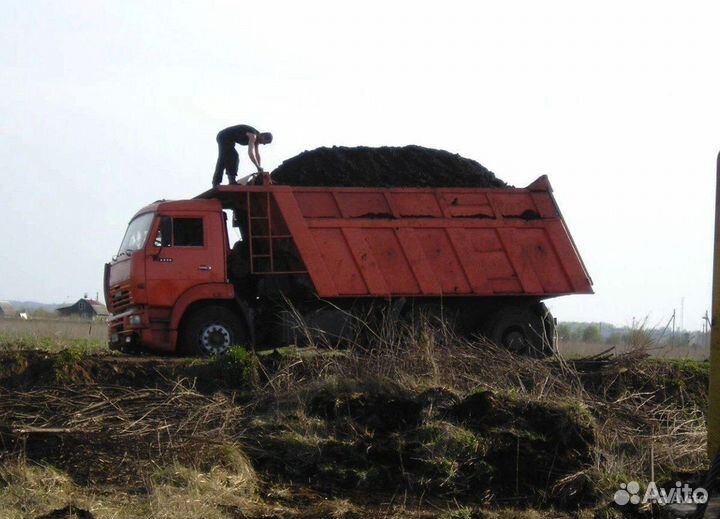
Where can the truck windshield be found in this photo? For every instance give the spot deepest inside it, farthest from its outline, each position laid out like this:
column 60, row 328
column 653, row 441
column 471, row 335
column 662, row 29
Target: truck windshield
column 136, row 234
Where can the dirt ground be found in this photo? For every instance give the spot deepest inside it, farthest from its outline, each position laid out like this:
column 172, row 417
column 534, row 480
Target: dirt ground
column 423, row 425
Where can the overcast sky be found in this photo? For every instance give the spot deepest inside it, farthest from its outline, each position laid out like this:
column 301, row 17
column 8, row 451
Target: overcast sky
column 106, row 106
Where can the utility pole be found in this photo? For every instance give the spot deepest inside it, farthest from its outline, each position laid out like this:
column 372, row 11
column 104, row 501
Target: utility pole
column 706, row 329
column 713, row 416
column 672, row 343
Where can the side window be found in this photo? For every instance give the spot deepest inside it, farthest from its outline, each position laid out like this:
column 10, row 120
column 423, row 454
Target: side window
column 164, row 234
column 180, row 232
column 188, row 232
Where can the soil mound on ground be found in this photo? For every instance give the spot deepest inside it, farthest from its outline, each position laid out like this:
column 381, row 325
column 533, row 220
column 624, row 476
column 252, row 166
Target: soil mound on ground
column 362, row 166
column 457, row 423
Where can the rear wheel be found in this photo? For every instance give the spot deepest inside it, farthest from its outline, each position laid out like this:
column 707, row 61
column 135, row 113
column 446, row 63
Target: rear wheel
column 551, row 344
column 522, row 330
column 211, row 330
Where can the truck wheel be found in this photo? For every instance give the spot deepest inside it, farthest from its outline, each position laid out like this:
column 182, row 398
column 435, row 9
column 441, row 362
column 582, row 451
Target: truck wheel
column 520, row 330
column 212, row 330
column 551, row 340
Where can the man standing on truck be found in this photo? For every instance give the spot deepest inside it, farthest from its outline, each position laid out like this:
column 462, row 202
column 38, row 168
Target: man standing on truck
column 228, row 159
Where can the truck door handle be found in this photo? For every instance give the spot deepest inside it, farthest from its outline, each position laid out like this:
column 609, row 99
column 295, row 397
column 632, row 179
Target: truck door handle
column 206, row 268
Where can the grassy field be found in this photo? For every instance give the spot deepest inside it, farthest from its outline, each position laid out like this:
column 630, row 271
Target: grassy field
column 52, row 334
column 586, row 349
column 56, row 334
column 416, row 424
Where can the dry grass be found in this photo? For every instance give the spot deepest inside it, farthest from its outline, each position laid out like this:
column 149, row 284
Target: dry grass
column 28, row 490
column 113, row 434
column 641, row 337
column 177, row 492
column 638, row 430
column 125, row 453
column 669, row 434
column 414, row 356
column 175, row 452
column 585, row 349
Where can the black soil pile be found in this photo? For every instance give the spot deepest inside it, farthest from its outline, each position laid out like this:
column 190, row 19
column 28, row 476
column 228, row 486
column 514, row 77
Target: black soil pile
column 362, row 166
column 487, row 443
column 488, row 427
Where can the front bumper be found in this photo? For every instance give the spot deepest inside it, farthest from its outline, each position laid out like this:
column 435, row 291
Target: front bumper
column 133, row 329
column 122, row 332
column 119, row 342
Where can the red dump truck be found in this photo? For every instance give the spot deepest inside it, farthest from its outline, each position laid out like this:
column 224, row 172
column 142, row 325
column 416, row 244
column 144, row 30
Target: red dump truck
column 306, row 256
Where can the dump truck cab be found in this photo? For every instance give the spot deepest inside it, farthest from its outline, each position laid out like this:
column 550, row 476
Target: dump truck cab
column 173, row 254
column 307, row 255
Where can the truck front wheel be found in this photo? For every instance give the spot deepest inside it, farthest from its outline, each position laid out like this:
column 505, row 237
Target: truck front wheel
column 211, row 330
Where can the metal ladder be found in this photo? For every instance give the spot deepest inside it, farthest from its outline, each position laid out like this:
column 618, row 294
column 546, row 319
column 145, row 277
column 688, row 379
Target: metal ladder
column 260, row 228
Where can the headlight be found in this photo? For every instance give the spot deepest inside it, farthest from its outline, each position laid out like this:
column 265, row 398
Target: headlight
column 135, row 320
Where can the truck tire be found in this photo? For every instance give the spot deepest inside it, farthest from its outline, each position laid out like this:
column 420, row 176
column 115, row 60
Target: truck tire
column 521, row 330
column 212, row 330
column 551, row 343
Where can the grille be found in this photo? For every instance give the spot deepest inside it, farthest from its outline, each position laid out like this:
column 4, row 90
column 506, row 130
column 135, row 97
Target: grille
column 120, row 298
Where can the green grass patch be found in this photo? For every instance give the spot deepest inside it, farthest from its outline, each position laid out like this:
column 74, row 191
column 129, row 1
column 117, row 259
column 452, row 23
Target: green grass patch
column 234, row 368
column 10, row 342
column 66, row 365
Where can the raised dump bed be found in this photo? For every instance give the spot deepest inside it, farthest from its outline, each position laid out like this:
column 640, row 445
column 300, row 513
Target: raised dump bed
column 384, row 242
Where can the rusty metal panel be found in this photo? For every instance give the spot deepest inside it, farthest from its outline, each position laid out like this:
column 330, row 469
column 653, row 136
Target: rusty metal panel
column 569, row 258
column 469, row 261
column 443, row 260
column 317, row 204
column 392, row 261
column 520, row 261
column 514, row 203
column 419, row 263
column 362, row 204
column 337, row 256
column 541, row 259
column 545, row 205
column 365, row 261
column 415, row 204
column 321, row 275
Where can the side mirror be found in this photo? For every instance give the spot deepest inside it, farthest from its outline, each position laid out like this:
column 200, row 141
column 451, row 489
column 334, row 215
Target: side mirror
column 153, row 251
column 163, row 238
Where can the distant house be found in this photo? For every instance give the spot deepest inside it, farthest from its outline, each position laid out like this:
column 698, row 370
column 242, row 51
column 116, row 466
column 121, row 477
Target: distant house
column 7, row 310
column 85, row 308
